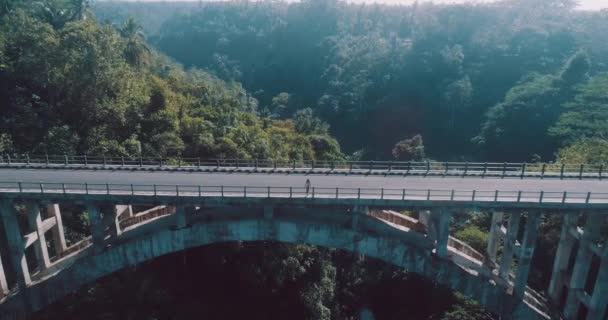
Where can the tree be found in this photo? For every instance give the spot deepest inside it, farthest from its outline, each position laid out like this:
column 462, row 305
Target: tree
column 136, row 51
column 586, row 151
column 586, row 115
column 409, row 149
column 307, row 123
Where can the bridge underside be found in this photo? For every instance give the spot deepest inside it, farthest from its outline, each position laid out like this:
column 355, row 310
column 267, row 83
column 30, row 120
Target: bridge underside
column 332, row 227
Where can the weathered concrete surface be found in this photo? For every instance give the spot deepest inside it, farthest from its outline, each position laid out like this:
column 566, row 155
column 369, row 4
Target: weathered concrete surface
column 330, row 228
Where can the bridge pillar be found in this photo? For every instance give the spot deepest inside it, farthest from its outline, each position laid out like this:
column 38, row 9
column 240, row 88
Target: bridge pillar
column 35, row 223
column 180, row 217
column 562, row 257
column 439, row 223
column 57, row 231
column 3, row 283
column 582, row 265
column 509, row 245
column 599, row 300
column 16, row 247
column 526, row 252
column 96, row 225
column 495, row 235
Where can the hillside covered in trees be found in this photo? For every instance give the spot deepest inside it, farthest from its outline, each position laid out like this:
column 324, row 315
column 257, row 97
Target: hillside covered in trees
column 505, row 81
column 517, row 80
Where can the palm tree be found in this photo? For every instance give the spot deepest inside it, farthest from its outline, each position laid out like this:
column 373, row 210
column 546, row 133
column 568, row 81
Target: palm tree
column 59, row 12
column 137, row 51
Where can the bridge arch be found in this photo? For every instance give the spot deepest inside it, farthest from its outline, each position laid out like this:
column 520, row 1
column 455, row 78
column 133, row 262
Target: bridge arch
column 347, row 230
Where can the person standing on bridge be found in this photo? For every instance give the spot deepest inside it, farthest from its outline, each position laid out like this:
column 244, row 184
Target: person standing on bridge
column 307, row 186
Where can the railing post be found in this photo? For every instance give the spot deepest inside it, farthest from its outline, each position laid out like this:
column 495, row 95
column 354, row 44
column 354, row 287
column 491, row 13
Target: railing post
column 523, row 170
column 428, row 167
column 245, row 192
column 336, row 192
column 41, row 188
column 290, row 192
column 104, row 160
column 237, row 163
column 370, row 165
column 351, row 166
column 46, row 157
column 561, row 171
column 428, row 194
column 359, row 193
column 132, row 190
column 177, row 190
column 447, row 167
column 256, row 163
column 403, row 195
column 274, row 164
column 122, row 161
column 600, row 171
column 20, row 187
column 333, row 165
column 198, row 162
column 222, row 191
column 313, row 192
column 382, row 194
column 107, row 189
column 588, row 198
column 8, row 158
column 217, row 163
column 268, row 192
column 580, row 175
column 155, row 190
column 63, row 188
column 409, row 167
column 564, row 197
column 504, row 169
column 86, row 188
column 452, row 195
column 160, row 162
column 65, row 159
column 141, row 161
column 27, row 158
column 496, row 196
column 466, row 168
column 200, row 193
column 86, row 160
column 542, row 195
column 390, row 166
column 473, row 196
column 312, row 166
column 179, row 162
column 294, row 164
column 519, row 196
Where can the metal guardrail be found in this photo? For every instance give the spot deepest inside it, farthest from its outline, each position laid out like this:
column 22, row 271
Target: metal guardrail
column 300, row 192
column 479, row 169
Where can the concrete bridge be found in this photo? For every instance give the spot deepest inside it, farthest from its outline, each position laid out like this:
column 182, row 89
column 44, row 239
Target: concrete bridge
column 191, row 205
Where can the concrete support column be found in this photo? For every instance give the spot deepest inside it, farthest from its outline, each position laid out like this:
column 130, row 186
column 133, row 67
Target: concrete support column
column 495, row 235
column 57, row 231
column 599, row 299
column 97, row 229
column 562, row 256
column 526, row 252
column 35, row 223
column 509, row 244
column 180, row 217
column 440, row 223
column 110, row 221
column 8, row 214
column 124, row 211
column 582, row 264
column 3, row 282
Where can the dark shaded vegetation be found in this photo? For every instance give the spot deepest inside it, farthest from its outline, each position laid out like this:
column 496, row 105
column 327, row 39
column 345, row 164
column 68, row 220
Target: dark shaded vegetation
column 263, row 281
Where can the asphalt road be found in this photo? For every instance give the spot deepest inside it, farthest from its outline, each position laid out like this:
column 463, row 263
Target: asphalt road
column 298, row 180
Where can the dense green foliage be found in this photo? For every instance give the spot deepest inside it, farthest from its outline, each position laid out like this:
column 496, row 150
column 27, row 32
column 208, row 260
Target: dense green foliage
column 82, row 87
column 475, row 81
